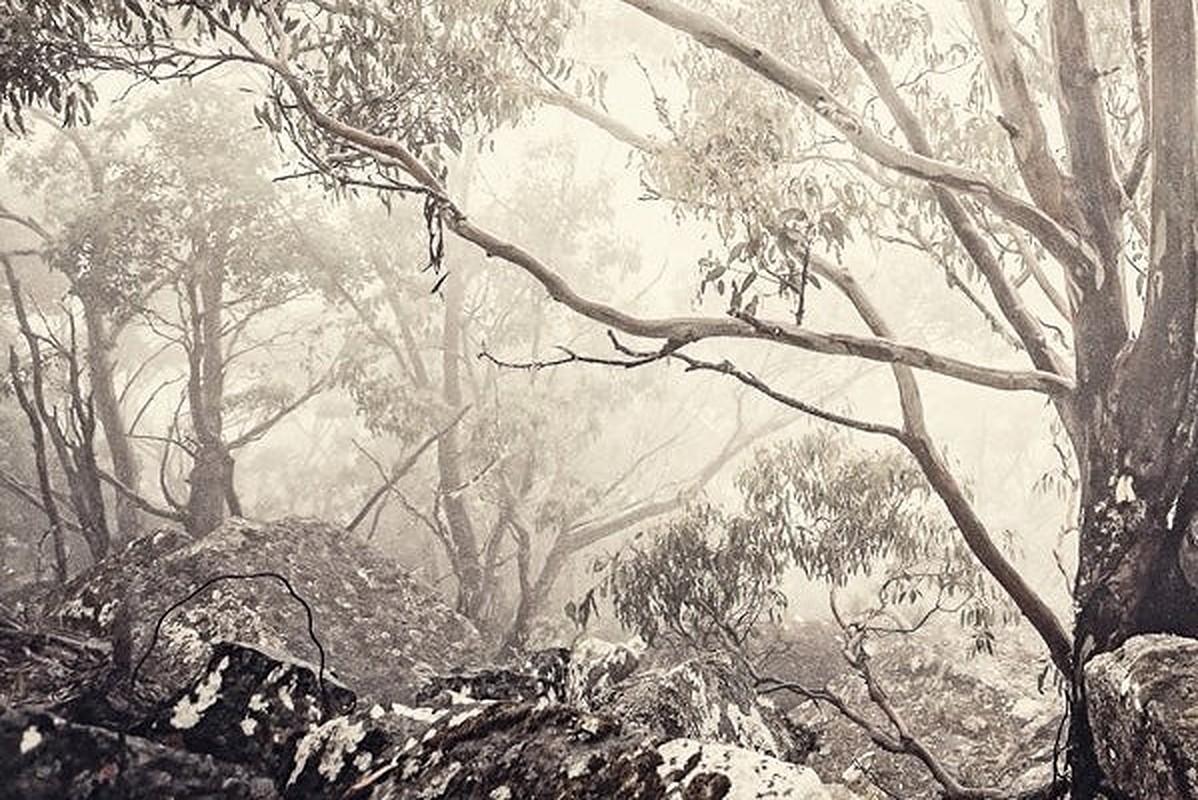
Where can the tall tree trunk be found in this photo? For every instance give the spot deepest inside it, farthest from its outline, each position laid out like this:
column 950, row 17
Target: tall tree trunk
column 108, row 409
column 457, row 516
column 212, row 470
column 49, row 503
column 1140, row 408
column 533, row 598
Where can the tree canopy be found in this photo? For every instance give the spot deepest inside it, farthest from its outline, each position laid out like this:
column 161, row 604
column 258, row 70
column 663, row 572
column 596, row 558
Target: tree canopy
column 1040, row 159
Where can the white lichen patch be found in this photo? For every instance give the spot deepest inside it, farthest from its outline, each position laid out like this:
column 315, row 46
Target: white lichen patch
column 339, row 738
column 461, row 698
column 501, row 793
column 31, row 737
column 275, row 675
column 1125, row 491
column 377, row 712
column 257, row 702
column 418, row 714
column 590, row 724
column 249, row 725
column 183, row 640
column 459, row 718
column 188, row 710
column 77, row 609
column 285, row 696
column 750, row 774
column 107, row 613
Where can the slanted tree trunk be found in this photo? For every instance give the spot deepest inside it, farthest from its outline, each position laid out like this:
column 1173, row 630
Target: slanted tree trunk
column 102, row 379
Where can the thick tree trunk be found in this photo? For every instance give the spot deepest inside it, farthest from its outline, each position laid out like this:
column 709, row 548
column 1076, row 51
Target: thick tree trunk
column 212, row 472
column 1139, row 401
column 210, row 477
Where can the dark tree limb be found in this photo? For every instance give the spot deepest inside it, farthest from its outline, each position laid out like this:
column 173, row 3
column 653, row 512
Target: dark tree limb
column 402, row 468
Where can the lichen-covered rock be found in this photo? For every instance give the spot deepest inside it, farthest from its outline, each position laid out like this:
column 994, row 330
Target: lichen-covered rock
column 383, row 631
column 1143, row 708
column 544, row 751
column 597, row 667
column 44, row 757
column 707, row 699
column 267, row 713
column 577, row 676
column 249, row 707
column 703, row 698
column 542, row 675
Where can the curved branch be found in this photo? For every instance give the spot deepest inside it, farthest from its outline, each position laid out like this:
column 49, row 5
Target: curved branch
column 678, row 330
column 973, row 530
column 959, row 219
column 139, row 501
column 1065, row 245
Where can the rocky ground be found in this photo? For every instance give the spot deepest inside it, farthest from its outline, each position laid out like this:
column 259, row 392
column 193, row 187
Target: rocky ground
column 224, row 707
column 229, row 696
column 988, row 717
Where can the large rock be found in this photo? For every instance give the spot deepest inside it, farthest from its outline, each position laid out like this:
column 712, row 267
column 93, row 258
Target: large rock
column 383, row 632
column 707, row 699
column 1143, row 705
column 251, row 708
column 267, row 713
column 44, row 757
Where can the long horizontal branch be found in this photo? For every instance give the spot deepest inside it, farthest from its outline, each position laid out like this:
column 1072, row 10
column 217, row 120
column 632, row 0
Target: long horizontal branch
column 678, row 330
column 691, row 329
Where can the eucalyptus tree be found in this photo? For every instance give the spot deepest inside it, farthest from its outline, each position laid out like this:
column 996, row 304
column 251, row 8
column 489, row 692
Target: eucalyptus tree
column 524, row 478
column 1056, row 192
column 175, row 243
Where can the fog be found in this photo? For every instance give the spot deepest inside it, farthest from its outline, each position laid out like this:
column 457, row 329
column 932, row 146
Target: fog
column 736, row 331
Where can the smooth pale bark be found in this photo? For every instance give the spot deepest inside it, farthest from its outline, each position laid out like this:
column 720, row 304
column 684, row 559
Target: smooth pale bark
column 1021, row 117
column 1140, row 406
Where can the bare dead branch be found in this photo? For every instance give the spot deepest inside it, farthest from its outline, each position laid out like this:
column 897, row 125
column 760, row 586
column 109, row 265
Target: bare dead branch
column 402, row 468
